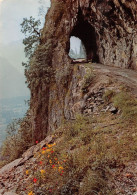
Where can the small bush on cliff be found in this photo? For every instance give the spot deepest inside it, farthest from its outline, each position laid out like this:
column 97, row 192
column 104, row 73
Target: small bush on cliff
column 30, row 27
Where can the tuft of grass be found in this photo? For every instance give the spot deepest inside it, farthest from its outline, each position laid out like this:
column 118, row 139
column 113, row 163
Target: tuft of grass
column 93, row 183
column 88, row 78
column 73, row 128
column 108, row 95
column 128, row 106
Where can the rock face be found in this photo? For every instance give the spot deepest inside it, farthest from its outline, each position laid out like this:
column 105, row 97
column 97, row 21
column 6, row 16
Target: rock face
column 107, row 30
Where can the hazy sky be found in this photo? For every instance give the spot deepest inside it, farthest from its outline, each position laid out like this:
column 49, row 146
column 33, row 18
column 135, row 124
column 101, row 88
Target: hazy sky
column 11, row 14
column 12, row 55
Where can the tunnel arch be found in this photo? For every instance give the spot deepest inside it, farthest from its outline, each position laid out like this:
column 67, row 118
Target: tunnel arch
column 86, row 33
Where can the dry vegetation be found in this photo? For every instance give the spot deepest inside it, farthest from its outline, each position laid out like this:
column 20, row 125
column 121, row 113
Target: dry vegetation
column 88, row 154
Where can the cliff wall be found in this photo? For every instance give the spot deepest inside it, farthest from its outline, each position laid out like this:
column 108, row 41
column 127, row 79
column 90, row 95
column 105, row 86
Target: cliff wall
column 108, row 32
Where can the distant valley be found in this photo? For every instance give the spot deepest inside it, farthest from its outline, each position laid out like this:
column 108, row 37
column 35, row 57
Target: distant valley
column 13, row 92
column 12, row 82
column 11, row 108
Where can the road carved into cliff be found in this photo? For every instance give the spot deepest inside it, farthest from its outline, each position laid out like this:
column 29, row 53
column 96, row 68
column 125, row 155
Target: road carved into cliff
column 126, row 76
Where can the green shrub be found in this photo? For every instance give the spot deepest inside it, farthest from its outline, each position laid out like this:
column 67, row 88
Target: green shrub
column 128, row 106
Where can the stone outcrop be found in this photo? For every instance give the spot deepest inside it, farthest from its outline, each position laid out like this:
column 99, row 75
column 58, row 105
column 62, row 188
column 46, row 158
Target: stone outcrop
column 12, row 175
column 108, row 32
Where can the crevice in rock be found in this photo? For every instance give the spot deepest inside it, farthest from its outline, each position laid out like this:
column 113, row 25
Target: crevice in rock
column 127, row 10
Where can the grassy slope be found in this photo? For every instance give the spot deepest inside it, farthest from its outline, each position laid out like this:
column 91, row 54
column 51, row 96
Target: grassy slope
column 89, row 154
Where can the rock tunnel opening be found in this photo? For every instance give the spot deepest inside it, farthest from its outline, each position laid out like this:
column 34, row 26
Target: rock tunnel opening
column 86, row 33
column 77, row 49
